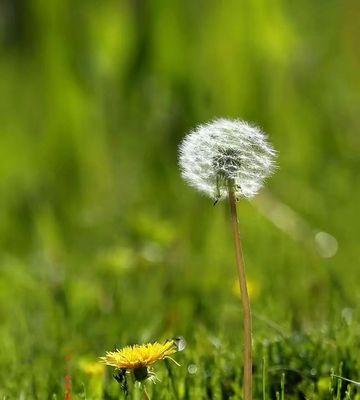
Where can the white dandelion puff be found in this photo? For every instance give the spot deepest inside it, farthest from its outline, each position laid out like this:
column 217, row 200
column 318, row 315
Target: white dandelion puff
column 224, row 152
column 230, row 158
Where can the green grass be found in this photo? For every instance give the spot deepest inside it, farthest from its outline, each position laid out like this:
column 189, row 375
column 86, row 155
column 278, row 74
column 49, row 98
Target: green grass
column 51, row 315
column 103, row 245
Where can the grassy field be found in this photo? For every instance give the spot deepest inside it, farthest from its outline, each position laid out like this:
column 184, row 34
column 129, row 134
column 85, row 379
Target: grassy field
column 101, row 242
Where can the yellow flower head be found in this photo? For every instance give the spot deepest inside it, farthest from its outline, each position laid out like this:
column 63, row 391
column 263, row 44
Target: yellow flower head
column 138, row 356
column 138, row 359
column 254, row 288
column 91, row 368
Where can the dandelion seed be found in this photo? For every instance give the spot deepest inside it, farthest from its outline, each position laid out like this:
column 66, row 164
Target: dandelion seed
column 192, row 369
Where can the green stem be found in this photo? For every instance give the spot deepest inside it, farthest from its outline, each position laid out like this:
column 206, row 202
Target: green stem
column 146, row 395
column 244, row 296
column 283, row 386
column 171, row 376
column 264, row 378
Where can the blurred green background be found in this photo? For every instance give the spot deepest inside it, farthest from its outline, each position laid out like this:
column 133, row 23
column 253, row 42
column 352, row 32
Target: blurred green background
column 103, row 244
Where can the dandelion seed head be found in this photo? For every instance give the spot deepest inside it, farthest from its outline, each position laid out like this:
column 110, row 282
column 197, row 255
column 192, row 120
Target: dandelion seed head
column 226, row 151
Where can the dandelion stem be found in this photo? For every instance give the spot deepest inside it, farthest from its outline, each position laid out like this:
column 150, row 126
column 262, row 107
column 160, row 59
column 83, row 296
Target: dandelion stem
column 247, row 384
column 172, row 380
column 146, row 395
column 264, row 371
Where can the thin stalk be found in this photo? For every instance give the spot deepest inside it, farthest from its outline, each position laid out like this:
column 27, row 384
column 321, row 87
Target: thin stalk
column 146, row 394
column 264, row 371
column 283, row 386
column 172, row 379
column 244, row 297
column 339, row 385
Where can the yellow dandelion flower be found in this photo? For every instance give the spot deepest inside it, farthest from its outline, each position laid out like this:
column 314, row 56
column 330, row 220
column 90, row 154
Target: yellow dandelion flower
column 324, row 385
column 91, row 368
column 253, row 287
column 138, row 358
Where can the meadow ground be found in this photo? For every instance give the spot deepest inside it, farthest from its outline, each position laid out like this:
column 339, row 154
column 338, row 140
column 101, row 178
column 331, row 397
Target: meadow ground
column 103, row 245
